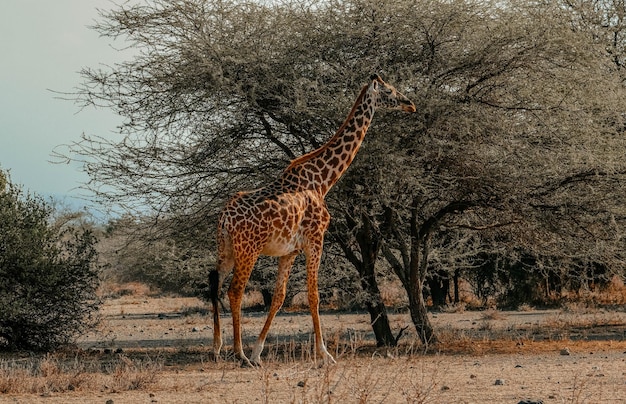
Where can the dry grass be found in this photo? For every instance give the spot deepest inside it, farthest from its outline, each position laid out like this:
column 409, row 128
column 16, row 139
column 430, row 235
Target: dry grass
column 473, row 350
column 60, row 373
column 111, row 290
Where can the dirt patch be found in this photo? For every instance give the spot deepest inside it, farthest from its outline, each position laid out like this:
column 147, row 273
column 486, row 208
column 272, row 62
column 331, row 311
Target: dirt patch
column 555, row 356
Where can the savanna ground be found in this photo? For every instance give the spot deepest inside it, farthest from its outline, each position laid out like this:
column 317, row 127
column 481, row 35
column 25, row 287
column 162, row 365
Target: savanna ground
column 151, row 349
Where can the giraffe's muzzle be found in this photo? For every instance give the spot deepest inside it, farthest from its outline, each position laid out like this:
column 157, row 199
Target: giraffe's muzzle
column 407, row 106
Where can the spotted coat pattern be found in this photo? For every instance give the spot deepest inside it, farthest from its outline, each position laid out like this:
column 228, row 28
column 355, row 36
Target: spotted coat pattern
column 289, row 216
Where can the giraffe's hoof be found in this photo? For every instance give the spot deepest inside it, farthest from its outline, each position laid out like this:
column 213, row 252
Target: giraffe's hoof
column 245, row 363
column 328, row 359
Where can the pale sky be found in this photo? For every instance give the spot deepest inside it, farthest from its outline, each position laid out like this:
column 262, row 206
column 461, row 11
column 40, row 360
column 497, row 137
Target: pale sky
column 43, row 46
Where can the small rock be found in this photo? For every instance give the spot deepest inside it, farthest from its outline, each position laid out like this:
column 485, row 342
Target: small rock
column 109, row 401
column 519, row 366
column 531, row 402
column 301, row 384
column 565, row 352
column 445, row 388
column 500, row 382
column 195, row 329
column 473, row 376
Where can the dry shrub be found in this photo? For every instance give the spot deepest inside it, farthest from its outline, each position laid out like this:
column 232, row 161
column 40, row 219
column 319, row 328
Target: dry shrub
column 112, row 290
column 14, row 380
column 492, row 314
column 299, row 302
column 52, row 375
column 454, row 308
column 251, row 298
column 130, row 375
column 40, row 376
column 615, row 292
column 392, row 293
column 611, row 294
column 525, row 307
column 353, row 380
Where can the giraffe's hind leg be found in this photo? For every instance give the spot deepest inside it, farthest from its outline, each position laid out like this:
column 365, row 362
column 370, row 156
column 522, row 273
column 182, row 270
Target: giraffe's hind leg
column 284, row 267
column 243, row 269
column 225, row 264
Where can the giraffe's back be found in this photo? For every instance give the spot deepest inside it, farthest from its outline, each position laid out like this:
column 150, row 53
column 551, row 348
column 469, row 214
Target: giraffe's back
column 272, row 221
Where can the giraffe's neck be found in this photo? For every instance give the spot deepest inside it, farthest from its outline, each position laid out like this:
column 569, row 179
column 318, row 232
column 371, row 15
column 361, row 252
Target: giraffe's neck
column 320, row 169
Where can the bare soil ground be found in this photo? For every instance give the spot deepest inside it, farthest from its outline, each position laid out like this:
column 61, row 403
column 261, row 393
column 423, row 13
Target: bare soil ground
column 157, row 350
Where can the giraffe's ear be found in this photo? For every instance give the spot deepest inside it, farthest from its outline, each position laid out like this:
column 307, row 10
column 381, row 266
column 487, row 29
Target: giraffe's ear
column 375, row 85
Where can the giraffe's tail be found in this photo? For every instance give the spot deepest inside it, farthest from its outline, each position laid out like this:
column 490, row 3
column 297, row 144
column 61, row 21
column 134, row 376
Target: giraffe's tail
column 214, row 288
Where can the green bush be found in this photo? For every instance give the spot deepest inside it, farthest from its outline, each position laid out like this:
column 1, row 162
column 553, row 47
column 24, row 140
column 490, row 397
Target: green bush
column 47, row 275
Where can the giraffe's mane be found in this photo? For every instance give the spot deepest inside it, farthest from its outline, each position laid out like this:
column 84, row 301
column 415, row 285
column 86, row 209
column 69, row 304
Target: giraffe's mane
column 318, row 151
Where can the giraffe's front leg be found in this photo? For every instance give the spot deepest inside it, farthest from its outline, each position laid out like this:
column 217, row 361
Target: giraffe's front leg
column 312, row 266
column 284, row 267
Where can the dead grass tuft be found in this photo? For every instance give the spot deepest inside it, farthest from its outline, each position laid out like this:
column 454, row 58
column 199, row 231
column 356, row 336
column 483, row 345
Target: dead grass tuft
column 492, row 314
column 112, row 290
column 50, row 374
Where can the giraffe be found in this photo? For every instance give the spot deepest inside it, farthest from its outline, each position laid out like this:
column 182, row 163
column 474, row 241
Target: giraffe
column 289, row 216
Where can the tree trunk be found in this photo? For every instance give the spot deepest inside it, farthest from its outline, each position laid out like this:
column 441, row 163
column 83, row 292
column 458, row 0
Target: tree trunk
column 267, row 298
column 439, row 285
column 369, row 242
column 418, row 266
column 376, row 308
column 412, row 269
column 419, row 316
column 457, row 275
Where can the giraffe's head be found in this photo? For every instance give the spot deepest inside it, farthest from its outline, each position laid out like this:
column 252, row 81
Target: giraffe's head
column 386, row 96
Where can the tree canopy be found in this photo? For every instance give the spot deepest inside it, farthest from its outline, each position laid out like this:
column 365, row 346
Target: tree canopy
column 515, row 149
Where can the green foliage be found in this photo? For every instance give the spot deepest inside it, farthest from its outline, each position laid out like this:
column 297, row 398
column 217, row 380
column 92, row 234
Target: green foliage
column 47, row 275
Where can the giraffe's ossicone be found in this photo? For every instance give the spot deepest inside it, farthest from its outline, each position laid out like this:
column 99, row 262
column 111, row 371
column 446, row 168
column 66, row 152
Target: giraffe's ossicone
column 289, row 216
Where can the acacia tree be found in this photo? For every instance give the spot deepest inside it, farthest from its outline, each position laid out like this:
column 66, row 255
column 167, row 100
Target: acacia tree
column 518, row 136
column 515, row 136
